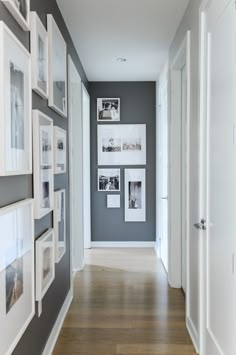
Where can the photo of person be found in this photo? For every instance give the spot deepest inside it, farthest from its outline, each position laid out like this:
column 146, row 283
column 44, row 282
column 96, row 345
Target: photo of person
column 108, row 109
column 135, row 195
column 111, row 145
column 41, row 65
column 45, row 188
column 108, row 179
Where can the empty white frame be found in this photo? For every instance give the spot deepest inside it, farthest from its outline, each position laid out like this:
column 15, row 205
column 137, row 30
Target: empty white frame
column 109, row 180
column 43, row 164
column 39, row 55
column 108, row 110
column 20, row 11
column 45, row 264
column 15, row 106
column 60, row 151
column 57, row 68
column 113, row 201
column 135, row 195
column 16, row 272
column 59, row 223
column 122, row 144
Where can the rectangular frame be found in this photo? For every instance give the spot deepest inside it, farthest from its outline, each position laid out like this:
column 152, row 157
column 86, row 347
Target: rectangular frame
column 18, row 13
column 57, row 68
column 135, row 195
column 60, row 150
column 15, row 106
column 59, row 223
column 121, row 144
column 113, row 201
column 107, row 107
column 109, row 180
column 17, row 304
column 43, row 163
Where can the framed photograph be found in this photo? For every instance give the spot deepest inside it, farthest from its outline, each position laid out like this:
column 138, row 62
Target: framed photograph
column 15, row 106
column 60, row 151
column 113, row 201
column 135, row 195
column 108, row 110
column 59, row 223
column 57, row 68
column 39, row 55
column 122, row 144
column 16, row 272
column 109, row 180
column 43, row 164
column 20, row 10
column 45, row 263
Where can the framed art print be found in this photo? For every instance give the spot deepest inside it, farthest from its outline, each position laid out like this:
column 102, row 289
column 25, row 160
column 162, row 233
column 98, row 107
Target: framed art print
column 108, row 110
column 43, row 163
column 20, row 10
column 17, row 306
column 113, row 201
column 57, row 68
column 59, row 150
column 39, row 55
column 135, row 195
column 109, row 180
column 15, row 106
column 59, row 223
column 122, row 144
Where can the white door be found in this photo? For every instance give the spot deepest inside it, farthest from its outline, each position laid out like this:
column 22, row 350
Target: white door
column 218, row 189
column 163, row 176
column 86, row 168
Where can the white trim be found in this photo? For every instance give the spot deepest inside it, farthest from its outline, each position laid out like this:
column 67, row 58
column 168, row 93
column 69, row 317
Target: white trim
column 123, row 244
column 58, row 325
column 157, row 250
column 193, row 334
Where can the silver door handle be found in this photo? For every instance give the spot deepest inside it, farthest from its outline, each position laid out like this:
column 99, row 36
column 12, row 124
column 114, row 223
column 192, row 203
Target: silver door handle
column 201, row 225
column 164, row 198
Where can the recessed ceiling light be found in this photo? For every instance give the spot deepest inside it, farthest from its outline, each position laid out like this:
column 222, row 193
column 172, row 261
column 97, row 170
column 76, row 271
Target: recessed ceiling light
column 121, row 60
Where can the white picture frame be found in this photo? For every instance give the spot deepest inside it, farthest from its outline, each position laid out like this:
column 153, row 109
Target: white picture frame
column 108, row 109
column 121, row 144
column 60, row 150
column 43, row 164
column 15, row 106
column 113, row 201
column 45, row 265
column 57, row 68
column 135, row 195
column 108, row 180
column 39, row 55
column 17, row 302
column 59, row 223
column 20, row 10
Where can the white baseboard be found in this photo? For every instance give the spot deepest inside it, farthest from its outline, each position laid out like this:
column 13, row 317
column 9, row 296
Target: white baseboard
column 123, row 244
column 193, row 334
column 157, row 250
column 58, row 325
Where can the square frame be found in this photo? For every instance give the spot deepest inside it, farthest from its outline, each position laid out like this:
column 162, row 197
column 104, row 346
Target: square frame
column 24, row 22
column 109, row 180
column 135, row 208
column 60, row 157
column 113, row 201
column 59, row 223
column 111, row 113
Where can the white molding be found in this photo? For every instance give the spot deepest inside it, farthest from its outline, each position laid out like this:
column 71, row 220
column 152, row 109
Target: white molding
column 58, row 325
column 157, row 250
column 193, row 334
column 123, row 244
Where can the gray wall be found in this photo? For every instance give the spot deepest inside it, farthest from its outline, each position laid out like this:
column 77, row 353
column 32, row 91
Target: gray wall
column 137, row 106
column 16, row 188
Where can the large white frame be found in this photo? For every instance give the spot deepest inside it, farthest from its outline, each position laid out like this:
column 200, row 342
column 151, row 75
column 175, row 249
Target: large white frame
column 135, row 214
column 60, row 166
column 122, row 134
column 59, row 208
column 13, row 160
column 24, row 23
column 16, row 220
column 57, row 56
column 41, row 121
column 37, row 30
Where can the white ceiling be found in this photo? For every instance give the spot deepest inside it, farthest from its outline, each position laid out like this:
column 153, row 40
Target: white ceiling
column 139, row 30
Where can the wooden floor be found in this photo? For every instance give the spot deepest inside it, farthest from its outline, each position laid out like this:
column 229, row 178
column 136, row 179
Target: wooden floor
column 123, row 305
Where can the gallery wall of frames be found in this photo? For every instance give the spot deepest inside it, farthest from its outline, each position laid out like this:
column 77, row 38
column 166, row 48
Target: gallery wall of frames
column 34, row 216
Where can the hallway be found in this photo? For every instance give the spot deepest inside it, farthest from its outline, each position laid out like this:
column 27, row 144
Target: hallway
column 123, row 305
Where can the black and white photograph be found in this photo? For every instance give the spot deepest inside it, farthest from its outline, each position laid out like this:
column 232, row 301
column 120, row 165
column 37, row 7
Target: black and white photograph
column 132, row 144
column 59, row 150
column 45, row 195
column 14, row 282
column 108, row 109
column 42, row 83
column 135, row 195
column 59, row 224
column 108, row 179
column 46, row 145
column 20, row 10
column 111, row 145
column 46, row 262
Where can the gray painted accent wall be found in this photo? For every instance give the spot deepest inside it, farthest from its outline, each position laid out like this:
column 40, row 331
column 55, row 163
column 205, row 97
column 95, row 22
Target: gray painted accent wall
column 13, row 189
column 138, row 106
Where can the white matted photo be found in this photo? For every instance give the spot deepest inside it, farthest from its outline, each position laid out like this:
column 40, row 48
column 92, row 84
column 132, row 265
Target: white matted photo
column 20, row 10
column 122, row 144
column 45, row 263
column 39, row 55
column 60, row 151
column 108, row 110
column 113, row 201
column 43, row 164
column 109, row 180
column 15, row 106
column 135, row 195
column 57, row 68
column 59, row 223
column 16, row 272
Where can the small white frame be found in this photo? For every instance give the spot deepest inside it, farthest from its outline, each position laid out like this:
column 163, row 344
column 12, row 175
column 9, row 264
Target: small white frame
column 57, row 65
column 16, row 13
column 113, row 201
column 59, row 223
column 114, row 115
column 60, row 156
column 108, row 173
column 43, row 170
column 135, row 210
column 38, row 33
